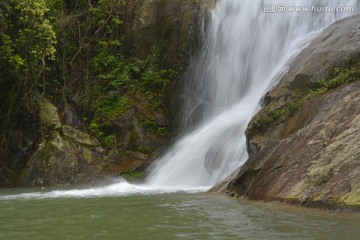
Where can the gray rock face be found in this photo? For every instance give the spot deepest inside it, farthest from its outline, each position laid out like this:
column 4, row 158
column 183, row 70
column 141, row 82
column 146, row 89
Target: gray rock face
column 62, row 156
column 310, row 157
column 178, row 22
column 337, row 46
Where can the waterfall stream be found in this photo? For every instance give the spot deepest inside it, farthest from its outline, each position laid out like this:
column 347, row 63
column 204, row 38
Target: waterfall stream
column 246, row 49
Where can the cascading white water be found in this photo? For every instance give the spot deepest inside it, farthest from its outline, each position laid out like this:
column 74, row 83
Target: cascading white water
column 245, row 51
column 247, row 47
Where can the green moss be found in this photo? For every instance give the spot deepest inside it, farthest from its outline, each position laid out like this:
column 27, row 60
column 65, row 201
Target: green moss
column 96, row 129
column 131, row 175
column 110, row 141
column 143, row 149
column 351, row 198
column 342, row 76
column 148, row 123
column 140, row 148
column 281, row 113
column 112, row 110
column 153, row 126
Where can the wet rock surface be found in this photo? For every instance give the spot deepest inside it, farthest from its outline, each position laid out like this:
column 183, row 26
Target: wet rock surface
column 311, row 157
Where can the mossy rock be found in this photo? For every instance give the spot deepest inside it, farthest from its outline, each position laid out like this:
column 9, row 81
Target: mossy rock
column 49, row 117
column 79, row 137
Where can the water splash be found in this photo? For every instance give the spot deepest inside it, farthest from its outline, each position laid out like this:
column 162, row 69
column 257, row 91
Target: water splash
column 118, row 187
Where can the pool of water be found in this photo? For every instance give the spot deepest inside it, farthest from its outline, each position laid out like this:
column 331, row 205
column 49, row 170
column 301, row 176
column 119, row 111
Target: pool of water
column 166, row 216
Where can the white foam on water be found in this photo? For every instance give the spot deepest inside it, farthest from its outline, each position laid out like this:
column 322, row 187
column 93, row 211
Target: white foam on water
column 119, row 187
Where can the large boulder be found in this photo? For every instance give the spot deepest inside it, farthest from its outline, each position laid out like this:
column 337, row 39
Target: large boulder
column 304, row 144
column 61, row 156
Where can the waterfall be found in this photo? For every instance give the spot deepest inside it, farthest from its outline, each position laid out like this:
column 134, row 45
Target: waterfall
column 246, row 48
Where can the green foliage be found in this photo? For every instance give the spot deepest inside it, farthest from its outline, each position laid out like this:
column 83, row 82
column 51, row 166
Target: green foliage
column 143, row 149
column 112, row 70
column 151, row 125
column 91, row 30
column 113, row 109
column 95, row 129
column 27, row 42
column 342, row 76
column 119, row 78
column 154, row 59
column 110, row 141
column 87, row 42
column 154, row 82
column 132, row 175
column 114, row 78
column 107, row 15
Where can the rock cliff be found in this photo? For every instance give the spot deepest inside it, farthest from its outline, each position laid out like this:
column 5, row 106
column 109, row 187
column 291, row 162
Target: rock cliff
column 304, row 143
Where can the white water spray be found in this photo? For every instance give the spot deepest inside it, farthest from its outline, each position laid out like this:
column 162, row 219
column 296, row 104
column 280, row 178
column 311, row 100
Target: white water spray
column 244, row 52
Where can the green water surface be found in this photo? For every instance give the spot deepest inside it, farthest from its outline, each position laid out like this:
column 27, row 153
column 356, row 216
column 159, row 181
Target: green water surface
column 168, row 216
